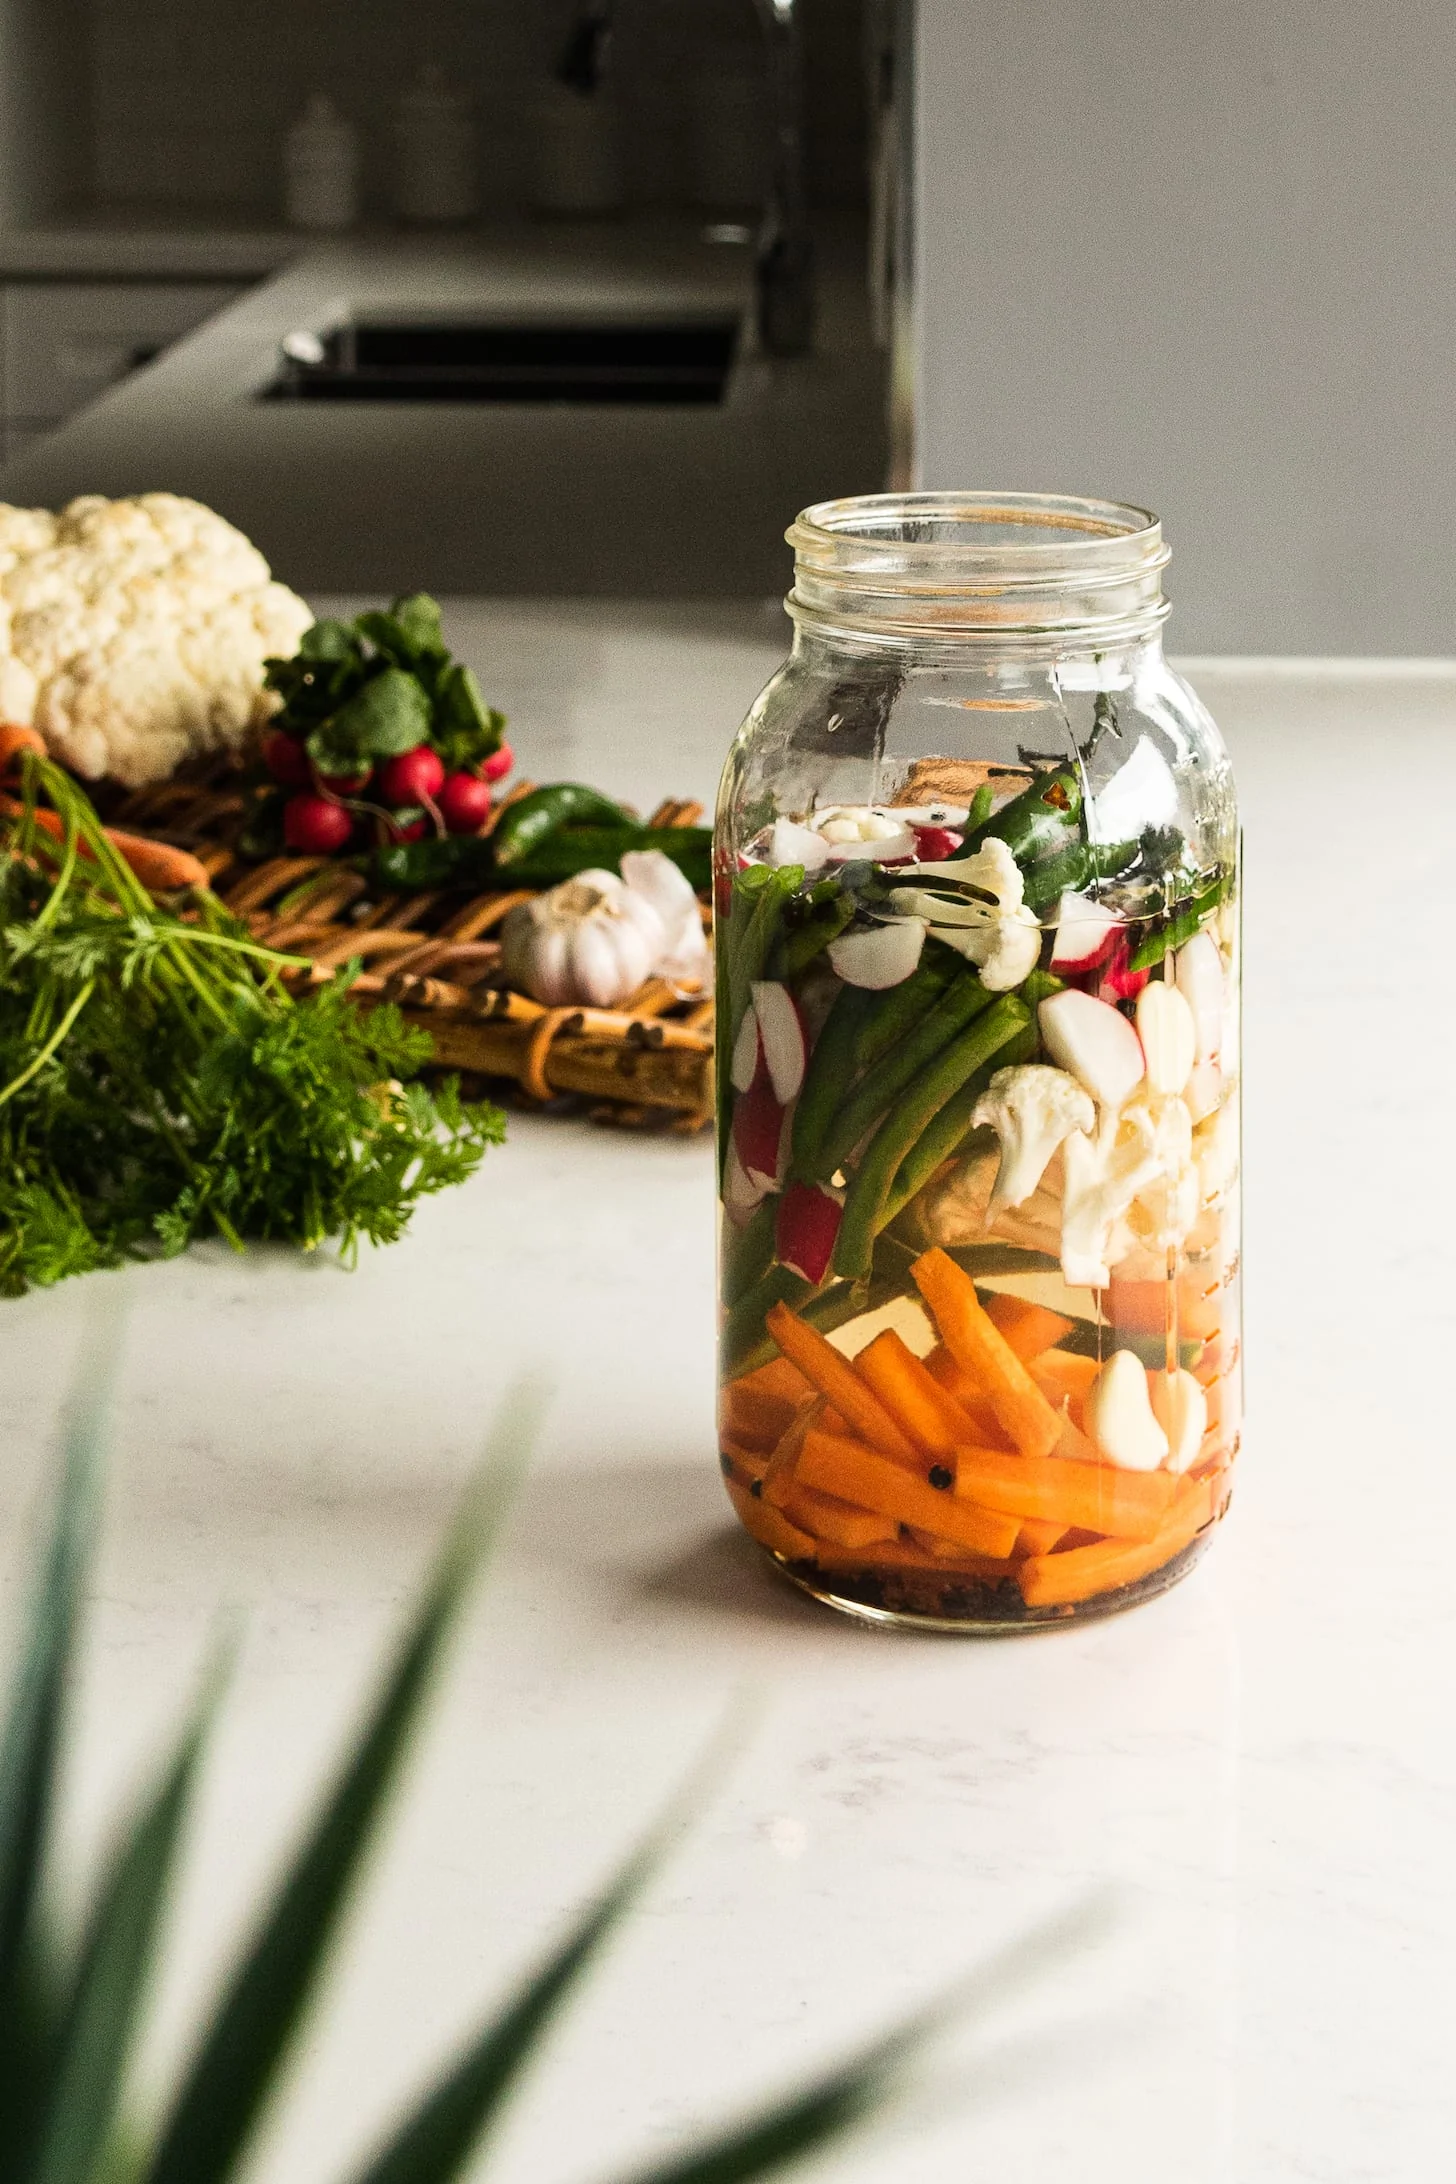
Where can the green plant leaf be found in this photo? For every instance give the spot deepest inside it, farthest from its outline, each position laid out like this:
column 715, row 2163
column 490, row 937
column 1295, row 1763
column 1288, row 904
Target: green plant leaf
column 466, row 729
column 99, row 2023
column 244, row 2047
column 437, row 2139
column 327, row 640
column 30, row 1749
column 388, row 715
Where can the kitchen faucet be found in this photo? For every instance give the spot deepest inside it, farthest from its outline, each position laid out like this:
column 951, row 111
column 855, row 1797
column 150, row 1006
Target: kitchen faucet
column 784, row 267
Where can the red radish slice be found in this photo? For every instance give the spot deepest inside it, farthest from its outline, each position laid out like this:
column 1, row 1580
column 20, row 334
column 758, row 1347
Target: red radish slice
column 878, row 955
column 1119, row 982
column 747, row 1048
column 781, row 1031
column 1090, row 1039
column 934, row 844
column 742, row 1197
column 1086, row 932
column 1200, row 981
column 808, row 1225
column 758, row 1133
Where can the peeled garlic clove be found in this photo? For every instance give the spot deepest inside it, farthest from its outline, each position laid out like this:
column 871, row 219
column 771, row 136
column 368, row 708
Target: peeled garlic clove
column 1181, row 1409
column 1170, row 1041
column 1118, row 1415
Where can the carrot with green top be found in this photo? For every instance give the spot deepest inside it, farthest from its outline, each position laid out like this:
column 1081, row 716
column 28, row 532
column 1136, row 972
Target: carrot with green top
column 1032, row 1422
column 15, row 741
column 160, row 868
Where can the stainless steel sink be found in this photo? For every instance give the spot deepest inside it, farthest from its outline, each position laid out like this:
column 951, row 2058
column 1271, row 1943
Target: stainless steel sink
column 683, row 360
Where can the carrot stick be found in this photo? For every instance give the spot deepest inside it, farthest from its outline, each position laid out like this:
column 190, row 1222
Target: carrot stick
column 836, row 1378
column 857, row 1474
column 750, row 1416
column 1028, row 1328
column 955, row 1560
column 933, row 1419
column 1038, row 1536
column 1098, row 1497
column 1064, row 1377
column 968, row 1334
column 748, row 1463
column 15, row 741
column 840, row 1524
column 986, row 1428
column 778, row 1377
column 1081, row 1572
column 778, row 1477
column 157, row 865
column 769, row 1526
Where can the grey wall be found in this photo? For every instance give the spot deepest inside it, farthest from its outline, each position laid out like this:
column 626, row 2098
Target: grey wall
column 1204, row 258
column 44, row 106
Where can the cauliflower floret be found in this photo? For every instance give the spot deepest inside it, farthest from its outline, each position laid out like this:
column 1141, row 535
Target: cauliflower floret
column 133, row 632
column 1136, row 1180
column 1033, row 1110
column 1001, row 937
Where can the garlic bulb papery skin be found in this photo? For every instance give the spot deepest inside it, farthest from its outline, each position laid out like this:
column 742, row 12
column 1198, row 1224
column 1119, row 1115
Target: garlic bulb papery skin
column 592, row 941
column 684, row 958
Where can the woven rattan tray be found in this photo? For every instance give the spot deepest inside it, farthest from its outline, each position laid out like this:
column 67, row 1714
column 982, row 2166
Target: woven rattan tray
column 648, row 1064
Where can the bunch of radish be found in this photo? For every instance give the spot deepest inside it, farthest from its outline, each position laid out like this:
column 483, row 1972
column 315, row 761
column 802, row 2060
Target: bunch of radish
column 770, row 1055
column 409, row 795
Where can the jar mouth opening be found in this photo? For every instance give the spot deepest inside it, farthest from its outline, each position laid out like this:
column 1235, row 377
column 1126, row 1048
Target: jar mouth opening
column 977, row 561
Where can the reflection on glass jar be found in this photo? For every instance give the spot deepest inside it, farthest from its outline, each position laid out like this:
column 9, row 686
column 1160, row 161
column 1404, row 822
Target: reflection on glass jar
column 976, row 877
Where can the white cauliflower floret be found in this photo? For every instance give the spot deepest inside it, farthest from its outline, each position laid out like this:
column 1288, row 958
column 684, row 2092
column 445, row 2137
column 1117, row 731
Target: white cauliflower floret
column 1033, row 1110
column 133, row 632
column 1137, row 1177
column 1001, row 937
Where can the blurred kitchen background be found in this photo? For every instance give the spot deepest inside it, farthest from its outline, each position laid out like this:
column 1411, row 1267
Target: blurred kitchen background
column 748, row 253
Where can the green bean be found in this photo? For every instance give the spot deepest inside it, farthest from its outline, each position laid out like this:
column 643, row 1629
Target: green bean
column 823, row 1309
column 1039, row 986
column 830, row 1066
column 938, row 1082
column 948, row 1130
column 906, row 1003
column 983, row 803
column 958, row 1006
column 748, row 1252
column 1181, row 927
column 744, row 1324
column 798, row 947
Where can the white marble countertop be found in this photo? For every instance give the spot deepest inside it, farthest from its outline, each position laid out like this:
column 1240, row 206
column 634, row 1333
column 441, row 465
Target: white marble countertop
column 1259, row 1765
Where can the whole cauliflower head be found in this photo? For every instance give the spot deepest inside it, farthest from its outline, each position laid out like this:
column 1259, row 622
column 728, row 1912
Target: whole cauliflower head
column 133, row 632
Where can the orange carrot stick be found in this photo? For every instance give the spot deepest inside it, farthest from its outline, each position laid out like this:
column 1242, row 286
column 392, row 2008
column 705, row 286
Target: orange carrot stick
column 968, row 1334
column 836, row 1378
column 838, row 1523
column 15, row 741
column 1063, row 1377
column 769, row 1526
column 1096, row 1497
column 749, row 1415
column 1028, row 1328
column 1081, row 1572
column 933, row 1419
column 857, row 1474
column 1038, row 1536
column 986, row 1427
column 778, row 1377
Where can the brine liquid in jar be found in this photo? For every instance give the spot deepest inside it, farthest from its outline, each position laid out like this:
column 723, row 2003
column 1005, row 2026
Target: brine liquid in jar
column 978, row 1089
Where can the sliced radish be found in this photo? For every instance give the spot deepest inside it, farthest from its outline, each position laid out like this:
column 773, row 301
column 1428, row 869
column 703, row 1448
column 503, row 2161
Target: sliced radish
column 895, row 846
column 747, row 1050
column 1098, row 1046
column 1165, row 1027
column 1086, row 931
column 758, row 1133
column 1118, row 1415
column 1200, row 981
column 878, row 956
column 781, row 1031
column 934, row 844
column 791, row 844
column 741, row 1195
column 807, row 1228
column 1118, row 982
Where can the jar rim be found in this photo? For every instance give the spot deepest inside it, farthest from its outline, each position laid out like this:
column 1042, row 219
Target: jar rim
column 977, row 562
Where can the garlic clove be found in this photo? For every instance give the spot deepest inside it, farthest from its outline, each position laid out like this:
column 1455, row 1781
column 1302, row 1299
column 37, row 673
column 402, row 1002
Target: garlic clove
column 1181, row 1409
column 1170, row 1040
column 1118, row 1415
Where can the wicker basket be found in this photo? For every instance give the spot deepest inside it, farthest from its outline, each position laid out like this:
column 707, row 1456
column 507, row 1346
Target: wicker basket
column 648, row 1064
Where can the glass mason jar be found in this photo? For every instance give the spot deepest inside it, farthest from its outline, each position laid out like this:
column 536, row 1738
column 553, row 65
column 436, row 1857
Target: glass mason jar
column 976, row 880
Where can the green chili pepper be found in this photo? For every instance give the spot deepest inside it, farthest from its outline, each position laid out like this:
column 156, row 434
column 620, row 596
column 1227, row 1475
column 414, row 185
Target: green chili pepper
column 906, row 1003
column 830, row 1066
column 1076, row 866
column 983, row 803
column 1182, row 925
column 957, row 1007
column 572, row 849
column 524, row 825
column 947, row 1131
column 938, row 1082
column 1034, row 822
column 748, row 1252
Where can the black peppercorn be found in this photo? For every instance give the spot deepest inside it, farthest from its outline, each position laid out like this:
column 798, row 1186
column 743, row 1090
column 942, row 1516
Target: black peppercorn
column 940, row 1477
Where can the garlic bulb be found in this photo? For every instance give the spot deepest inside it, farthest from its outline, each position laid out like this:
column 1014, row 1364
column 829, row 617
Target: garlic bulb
column 597, row 938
